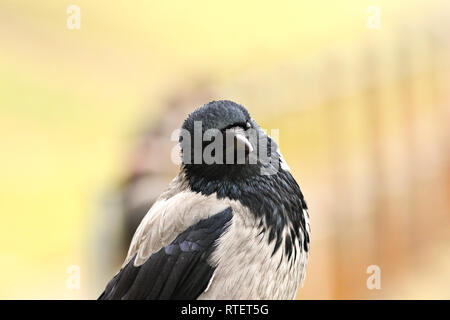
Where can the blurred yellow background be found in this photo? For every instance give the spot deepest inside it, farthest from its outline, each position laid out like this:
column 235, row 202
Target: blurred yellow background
column 363, row 114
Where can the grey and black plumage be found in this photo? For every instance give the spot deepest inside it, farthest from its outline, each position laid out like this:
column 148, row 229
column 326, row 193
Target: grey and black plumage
column 221, row 231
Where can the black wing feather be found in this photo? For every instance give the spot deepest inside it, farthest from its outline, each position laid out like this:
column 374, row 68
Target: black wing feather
column 177, row 271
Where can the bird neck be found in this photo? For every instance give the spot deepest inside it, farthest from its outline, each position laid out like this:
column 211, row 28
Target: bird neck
column 277, row 198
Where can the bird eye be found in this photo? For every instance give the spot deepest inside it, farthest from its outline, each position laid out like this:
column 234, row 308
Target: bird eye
column 248, row 125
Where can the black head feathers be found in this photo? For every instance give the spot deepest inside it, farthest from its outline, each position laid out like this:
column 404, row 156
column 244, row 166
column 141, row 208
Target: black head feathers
column 221, row 115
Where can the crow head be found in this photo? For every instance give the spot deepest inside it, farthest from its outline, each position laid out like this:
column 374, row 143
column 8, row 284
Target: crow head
column 221, row 141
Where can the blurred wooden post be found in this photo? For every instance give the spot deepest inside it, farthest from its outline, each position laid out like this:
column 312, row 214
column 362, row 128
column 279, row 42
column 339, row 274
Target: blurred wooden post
column 385, row 244
column 333, row 115
column 438, row 55
column 408, row 113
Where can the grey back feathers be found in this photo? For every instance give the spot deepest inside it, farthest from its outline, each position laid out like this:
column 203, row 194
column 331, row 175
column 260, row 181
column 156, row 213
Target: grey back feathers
column 246, row 267
column 177, row 209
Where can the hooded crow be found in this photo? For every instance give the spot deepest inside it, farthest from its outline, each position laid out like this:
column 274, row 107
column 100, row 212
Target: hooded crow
column 233, row 224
